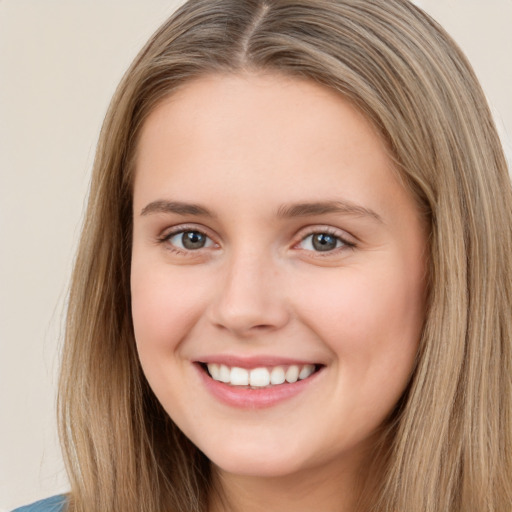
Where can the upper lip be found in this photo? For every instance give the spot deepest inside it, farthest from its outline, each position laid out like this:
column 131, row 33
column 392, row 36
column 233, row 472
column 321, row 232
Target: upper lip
column 250, row 362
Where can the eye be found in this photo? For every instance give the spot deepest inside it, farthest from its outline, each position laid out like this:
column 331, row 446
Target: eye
column 322, row 242
column 189, row 240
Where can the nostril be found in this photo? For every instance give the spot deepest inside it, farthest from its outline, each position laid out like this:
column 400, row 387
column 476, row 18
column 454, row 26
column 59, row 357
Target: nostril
column 244, row 328
column 262, row 327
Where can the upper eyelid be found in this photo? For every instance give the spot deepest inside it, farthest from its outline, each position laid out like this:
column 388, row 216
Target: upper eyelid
column 182, row 228
column 345, row 244
column 337, row 232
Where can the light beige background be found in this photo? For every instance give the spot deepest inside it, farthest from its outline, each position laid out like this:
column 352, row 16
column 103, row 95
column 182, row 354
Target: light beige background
column 60, row 61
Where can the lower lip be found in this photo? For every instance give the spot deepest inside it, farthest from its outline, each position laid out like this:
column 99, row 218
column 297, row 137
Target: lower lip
column 246, row 398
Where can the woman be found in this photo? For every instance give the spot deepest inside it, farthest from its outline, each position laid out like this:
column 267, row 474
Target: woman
column 294, row 276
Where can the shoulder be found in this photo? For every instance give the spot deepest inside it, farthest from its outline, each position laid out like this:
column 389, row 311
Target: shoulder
column 53, row 504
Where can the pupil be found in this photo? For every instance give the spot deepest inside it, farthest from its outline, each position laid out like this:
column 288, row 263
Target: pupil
column 324, row 242
column 193, row 240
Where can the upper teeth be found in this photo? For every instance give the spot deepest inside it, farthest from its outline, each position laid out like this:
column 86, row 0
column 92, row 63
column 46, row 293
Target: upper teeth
column 259, row 377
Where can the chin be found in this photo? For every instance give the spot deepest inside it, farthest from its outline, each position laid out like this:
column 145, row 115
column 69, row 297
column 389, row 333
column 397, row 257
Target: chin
column 258, row 462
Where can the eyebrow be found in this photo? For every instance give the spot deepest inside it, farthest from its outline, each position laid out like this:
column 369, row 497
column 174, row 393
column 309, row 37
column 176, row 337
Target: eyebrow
column 323, row 207
column 177, row 207
column 285, row 211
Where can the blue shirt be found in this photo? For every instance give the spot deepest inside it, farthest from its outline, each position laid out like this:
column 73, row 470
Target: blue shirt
column 53, row 504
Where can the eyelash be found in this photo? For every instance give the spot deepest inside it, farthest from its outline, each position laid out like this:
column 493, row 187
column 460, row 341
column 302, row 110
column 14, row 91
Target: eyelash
column 344, row 243
column 180, row 230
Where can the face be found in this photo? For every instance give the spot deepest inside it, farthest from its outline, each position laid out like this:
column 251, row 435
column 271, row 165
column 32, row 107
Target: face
column 278, row 273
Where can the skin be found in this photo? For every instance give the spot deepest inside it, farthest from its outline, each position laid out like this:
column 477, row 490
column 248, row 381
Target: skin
column 245, row 147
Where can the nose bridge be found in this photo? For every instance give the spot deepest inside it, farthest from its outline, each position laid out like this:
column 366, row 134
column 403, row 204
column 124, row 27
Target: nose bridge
column 250, row 298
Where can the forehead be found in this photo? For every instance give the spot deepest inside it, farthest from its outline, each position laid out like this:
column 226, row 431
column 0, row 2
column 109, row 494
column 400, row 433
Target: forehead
column 259, row 127
column 276, row 105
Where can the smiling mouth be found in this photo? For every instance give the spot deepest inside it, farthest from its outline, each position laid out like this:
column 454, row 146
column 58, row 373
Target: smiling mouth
column 260, row 377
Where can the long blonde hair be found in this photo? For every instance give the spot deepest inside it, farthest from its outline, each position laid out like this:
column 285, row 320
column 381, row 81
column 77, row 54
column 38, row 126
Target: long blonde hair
column 448, row 445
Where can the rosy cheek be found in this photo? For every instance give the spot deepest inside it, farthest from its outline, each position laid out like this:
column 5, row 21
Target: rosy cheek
column 150, row 308
column 165, row 307
column 352, row 307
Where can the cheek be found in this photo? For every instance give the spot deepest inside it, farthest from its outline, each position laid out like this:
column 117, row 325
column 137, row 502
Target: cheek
column 361, row 303
column 372, row 325
column 371, row 321
column 165, row 306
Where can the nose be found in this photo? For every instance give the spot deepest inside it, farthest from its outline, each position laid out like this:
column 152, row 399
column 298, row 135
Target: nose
column 250, row 299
